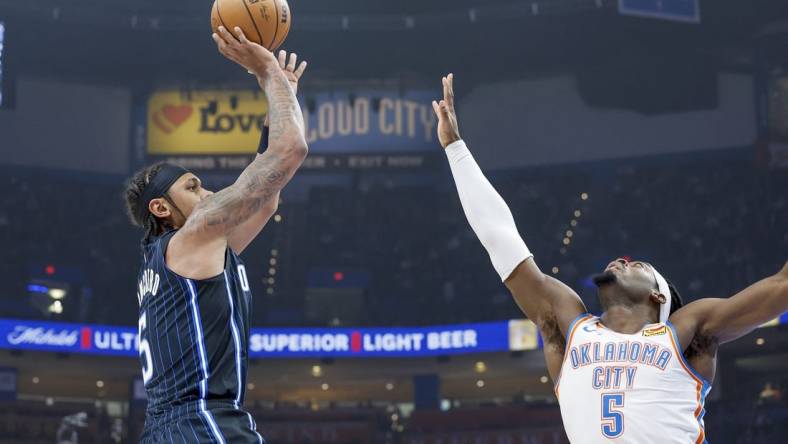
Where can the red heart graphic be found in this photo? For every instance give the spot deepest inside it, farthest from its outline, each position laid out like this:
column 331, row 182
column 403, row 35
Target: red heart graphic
column 177, row 114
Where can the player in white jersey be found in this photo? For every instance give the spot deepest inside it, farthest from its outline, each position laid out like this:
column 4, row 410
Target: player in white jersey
column 638, row 373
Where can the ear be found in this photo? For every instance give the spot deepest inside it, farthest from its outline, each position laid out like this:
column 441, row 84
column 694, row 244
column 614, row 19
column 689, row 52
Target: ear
column 658, row 297
column 159, row 208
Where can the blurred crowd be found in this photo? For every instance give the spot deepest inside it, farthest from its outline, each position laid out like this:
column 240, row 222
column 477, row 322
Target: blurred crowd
column 747, row 419
column 712, row 224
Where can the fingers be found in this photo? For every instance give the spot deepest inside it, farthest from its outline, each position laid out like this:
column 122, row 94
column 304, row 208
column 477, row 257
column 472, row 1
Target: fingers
column 282, row 59
column 241, row 36
column 224, row 49
column 228, row 38
column 450, row 88
column 292, row 64
column 301, row 68
column 445, row 106
column 219, row 42
column 436, row 108
column 440, row 109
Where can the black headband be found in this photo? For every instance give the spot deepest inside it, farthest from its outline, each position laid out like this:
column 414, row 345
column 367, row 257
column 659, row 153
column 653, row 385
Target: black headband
column 158, row 186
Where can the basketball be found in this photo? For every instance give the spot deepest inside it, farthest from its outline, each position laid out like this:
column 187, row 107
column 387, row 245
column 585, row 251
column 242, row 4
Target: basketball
column 266, row 22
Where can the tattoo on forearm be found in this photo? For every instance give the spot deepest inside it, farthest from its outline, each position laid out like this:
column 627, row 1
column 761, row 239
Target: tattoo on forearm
column 284, row 113
column 262, row 180
column 257, row 185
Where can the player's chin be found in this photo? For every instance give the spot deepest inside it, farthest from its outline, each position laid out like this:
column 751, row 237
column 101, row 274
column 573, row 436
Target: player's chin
column 604, row 278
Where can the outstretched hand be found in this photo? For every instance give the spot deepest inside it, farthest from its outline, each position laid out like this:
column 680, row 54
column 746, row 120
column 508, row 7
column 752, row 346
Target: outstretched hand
column 289, row 69
column 292, row 74
column 244, row 52
column 448, row 131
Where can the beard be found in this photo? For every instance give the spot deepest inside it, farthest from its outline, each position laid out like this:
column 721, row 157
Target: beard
column 603, row 278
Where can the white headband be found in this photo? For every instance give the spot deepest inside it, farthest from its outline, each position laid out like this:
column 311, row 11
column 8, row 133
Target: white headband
column 664, row 289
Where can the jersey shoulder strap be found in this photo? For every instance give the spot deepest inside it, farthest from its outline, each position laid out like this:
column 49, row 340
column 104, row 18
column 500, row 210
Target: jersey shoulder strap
column 581, row 319
column 157, row 245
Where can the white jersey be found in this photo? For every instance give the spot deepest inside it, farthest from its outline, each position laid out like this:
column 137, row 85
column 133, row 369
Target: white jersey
column 636, row 388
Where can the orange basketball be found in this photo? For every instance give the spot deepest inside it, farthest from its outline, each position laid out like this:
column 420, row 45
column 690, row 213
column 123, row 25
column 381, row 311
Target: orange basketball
column 266, row 22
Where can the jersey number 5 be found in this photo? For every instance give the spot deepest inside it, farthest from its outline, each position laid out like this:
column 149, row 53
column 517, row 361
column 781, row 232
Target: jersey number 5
column 147, row 367
column 612, row 418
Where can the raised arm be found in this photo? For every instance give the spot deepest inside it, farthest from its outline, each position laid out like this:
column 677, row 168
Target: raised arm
column 245, row 233
column 197, row 249
column 546, row 301
column 724, row 320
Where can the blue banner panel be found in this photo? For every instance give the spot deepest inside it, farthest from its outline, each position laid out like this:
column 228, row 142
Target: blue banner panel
column 678, row 10
column 279, row 342
column 500, row 336
column 68, row 338
column 380, row 342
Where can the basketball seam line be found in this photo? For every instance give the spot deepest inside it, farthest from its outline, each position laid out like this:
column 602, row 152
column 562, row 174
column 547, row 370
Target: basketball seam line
column 282, row 40
column 287, row 31
column 220, row 16
column 254, row 23
column 276, row 30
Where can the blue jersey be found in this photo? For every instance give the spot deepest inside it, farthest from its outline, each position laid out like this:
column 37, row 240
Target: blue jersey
column 193, row 335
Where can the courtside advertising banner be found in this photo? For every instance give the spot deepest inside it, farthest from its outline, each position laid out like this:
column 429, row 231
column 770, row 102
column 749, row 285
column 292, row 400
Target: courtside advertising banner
column 287, row 342
column 381, row 342
column 503, row 336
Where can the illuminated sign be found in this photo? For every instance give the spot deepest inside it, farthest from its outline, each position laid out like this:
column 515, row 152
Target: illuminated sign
column 403, row 342
column 288, row 342
column 217, row 122
column 514, row 335
column 62, row 337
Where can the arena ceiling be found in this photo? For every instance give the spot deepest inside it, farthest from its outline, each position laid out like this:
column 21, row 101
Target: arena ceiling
column 149, row 41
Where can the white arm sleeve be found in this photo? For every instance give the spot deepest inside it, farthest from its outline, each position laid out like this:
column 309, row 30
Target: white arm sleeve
column 486, row 211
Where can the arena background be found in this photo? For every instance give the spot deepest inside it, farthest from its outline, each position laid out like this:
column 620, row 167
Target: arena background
column 642, row 128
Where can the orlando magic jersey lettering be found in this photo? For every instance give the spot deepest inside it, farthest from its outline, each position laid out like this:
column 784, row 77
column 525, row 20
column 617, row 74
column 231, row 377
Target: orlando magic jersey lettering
column 193, row 335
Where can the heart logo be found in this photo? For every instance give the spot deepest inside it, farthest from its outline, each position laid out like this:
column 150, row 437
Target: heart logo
column 177, row 114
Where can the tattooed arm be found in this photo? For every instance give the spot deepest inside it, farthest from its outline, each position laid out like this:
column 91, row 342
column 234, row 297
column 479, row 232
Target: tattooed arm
column 197, row 250
column 245, row 233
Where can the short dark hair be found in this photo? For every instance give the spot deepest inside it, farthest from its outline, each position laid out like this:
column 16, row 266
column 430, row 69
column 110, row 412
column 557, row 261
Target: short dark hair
column 152, row 225
column 675, row 298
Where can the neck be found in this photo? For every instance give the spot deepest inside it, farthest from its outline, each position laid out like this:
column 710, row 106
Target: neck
column 627, row 319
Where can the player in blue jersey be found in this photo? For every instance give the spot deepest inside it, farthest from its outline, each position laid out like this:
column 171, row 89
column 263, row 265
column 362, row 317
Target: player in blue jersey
column 193, row 290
